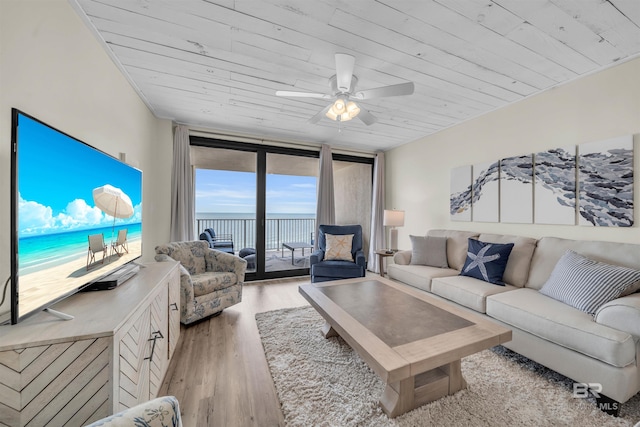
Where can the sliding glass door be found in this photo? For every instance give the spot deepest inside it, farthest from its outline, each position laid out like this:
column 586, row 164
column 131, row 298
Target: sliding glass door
column 353, row 187
column 290, row 211
column 261, row 198
column 225, row 199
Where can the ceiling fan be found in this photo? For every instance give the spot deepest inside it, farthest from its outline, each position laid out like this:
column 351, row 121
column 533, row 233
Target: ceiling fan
column 343, row 90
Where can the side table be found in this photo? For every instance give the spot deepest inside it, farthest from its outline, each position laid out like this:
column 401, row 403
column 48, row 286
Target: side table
column 382, row 254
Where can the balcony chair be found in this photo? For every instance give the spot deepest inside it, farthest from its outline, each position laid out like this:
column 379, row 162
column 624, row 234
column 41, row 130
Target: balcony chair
column 210, row 280
column 222, row 242
column 337, row 260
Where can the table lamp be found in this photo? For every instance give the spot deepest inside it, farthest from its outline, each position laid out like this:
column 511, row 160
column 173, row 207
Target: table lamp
column 393, row 218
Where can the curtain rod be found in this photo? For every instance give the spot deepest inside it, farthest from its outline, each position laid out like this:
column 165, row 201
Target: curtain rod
column 274, row 142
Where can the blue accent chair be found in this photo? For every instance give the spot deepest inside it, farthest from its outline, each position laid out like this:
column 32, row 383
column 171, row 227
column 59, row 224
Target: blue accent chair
column 324, row 270
column 219, row 243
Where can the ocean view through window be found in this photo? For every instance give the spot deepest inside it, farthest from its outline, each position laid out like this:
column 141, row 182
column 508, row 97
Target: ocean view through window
column 227, row 201
column 263, row 198
column 279, row 227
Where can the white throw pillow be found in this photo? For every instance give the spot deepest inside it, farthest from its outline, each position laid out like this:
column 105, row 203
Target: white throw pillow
column 338, row 247
column 587, row 284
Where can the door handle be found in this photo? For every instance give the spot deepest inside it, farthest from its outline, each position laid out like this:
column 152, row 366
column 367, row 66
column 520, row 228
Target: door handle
column 154, row 337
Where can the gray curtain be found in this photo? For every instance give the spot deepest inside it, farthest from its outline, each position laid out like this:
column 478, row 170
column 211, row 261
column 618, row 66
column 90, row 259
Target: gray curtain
column 325, row 208
column 377, row 212
column 182, row 195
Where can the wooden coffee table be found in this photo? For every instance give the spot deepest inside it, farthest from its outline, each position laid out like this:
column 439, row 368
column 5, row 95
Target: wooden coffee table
column 412, row 340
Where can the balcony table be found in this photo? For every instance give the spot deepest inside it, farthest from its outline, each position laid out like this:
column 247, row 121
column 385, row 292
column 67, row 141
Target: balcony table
column 292, row 246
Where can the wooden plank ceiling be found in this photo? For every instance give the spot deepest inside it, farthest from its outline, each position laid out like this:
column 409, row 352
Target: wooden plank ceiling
column 218, row 63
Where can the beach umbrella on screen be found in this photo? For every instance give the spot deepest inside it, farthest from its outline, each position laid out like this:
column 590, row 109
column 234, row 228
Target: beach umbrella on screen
column 113, row 202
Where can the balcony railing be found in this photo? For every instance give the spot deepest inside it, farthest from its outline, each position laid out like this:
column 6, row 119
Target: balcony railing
column 278, row 230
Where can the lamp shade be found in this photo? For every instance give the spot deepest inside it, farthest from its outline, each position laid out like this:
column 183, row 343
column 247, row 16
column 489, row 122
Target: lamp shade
column 343, row 110
column 393, row 218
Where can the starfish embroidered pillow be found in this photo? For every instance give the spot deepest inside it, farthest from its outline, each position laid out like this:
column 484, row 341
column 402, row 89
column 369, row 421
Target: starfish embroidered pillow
column 486, row 261
column 338, row 247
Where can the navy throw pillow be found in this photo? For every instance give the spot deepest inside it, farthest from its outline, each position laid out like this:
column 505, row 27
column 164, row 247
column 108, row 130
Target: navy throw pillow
column 487, row 261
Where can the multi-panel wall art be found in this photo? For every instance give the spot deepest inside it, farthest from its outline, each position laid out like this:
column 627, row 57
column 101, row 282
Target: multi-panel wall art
column 550, row 187
column 555, row 186
column 460, row 199
column 516, row 189
column 485, row 192
column 606, row 182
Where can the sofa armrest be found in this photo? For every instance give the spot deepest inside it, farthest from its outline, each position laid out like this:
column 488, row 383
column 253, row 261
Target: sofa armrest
column 162, row 410
column 164, row 258
column 316, row 257
column 219, row 261
column 622, row 314
column 402, row 257
column 360, row 259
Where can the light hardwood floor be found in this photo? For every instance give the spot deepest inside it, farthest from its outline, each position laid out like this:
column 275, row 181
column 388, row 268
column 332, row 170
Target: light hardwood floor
column 219, row 372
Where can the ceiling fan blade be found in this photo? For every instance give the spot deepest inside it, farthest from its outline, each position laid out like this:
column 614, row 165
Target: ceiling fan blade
column 303, row 94
column 344, row 71
column 381, row 92
column 315, row 119
column 366, row 117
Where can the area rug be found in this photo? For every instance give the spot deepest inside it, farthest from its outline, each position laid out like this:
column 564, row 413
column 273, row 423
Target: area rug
column 323, row 382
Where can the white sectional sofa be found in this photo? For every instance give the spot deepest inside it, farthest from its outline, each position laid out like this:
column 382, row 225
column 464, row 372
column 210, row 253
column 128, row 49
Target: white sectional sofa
column 591, row 349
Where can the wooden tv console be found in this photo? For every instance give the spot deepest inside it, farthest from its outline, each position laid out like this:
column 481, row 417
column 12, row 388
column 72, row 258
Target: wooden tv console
column 111, row 356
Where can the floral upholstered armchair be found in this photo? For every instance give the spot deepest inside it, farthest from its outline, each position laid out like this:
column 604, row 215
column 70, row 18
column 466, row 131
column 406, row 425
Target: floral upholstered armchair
column 210, row 280
column 161, row 412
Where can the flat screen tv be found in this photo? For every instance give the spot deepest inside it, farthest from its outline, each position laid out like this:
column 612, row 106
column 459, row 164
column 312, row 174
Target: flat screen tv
column 76, row 215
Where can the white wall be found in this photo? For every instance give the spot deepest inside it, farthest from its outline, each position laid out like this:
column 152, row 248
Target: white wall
column 593, row 108
column 53, row 68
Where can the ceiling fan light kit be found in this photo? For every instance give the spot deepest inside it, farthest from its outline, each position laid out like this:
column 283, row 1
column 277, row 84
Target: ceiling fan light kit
column 343, row 110
column 343, row 87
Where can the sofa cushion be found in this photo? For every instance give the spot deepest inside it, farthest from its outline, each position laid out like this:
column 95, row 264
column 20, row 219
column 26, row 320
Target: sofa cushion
column 338, row 247
column 539, row 315
column 550, row 249
column 456, row 245
column 418, row 276
column 486, row 261
column 337, row 269
column 586, row 284
column 429, row 250
column 208, row 282
column 517, row 271
column 467, row 291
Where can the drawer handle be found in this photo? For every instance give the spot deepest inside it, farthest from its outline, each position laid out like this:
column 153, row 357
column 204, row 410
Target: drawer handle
column 175, row 306
column 154, row 337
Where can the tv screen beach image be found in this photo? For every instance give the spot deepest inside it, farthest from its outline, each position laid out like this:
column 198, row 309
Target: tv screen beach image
column 79, row 214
